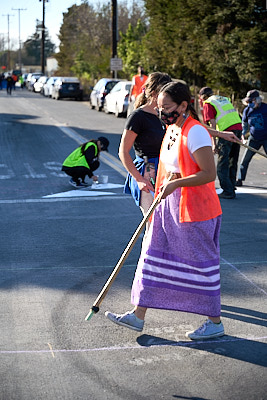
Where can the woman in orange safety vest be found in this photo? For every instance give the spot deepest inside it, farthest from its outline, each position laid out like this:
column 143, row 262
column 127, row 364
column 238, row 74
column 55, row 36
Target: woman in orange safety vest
column 179, row 264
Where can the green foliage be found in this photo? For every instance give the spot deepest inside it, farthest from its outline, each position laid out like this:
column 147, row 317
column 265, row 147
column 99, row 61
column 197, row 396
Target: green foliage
column 130, row 48
column 209, row 42
column 204, row 42
column 31, row 49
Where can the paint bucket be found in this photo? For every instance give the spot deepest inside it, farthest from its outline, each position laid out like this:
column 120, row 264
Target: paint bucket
column 103, row 179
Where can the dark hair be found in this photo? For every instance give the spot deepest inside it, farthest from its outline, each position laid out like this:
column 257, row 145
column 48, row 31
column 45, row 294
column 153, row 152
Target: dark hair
column 153, row 84
column 180, row 92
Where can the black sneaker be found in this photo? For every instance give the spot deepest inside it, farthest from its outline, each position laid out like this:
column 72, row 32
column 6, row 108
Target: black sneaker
column 239, row 183
column 225, row 195
column 73, row 183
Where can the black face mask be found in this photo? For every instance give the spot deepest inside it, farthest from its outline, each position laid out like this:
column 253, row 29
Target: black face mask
column 169, row 118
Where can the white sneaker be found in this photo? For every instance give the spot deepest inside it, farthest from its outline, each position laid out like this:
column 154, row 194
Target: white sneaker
column 208, row 330
column 129, row 320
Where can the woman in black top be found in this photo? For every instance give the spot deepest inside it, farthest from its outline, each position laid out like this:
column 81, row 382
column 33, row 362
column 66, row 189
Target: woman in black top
column 144, row 131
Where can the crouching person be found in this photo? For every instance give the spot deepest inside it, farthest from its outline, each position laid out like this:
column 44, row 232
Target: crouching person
column 84, row 161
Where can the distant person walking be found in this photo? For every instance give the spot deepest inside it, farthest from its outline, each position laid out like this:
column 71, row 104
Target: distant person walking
column 84, row 161
column 9, row 84
column 21, row 81
column 1, row 81
column 254, row 120
column 138, row 82
column 219, row 113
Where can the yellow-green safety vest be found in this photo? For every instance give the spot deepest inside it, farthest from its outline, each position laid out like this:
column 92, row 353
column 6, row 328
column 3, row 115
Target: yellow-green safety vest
column 226, row 115
column 77, row 159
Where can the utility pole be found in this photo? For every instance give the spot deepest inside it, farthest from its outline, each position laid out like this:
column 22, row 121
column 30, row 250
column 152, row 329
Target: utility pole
column 19, row 10
column 43, row 39
column 8, row 41
column 114, row 32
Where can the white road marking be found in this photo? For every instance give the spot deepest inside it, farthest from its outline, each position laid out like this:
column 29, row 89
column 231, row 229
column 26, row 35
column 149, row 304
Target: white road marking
column 246, row 190
column 62, row 199
column 87, row 192
column 32, row 173
column 78, row 193
column 244, row 276
column 105, row 157
column 157, row 343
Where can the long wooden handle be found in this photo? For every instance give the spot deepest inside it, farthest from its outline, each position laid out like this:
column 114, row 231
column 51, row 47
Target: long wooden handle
column 95, row 308
column 252, row 149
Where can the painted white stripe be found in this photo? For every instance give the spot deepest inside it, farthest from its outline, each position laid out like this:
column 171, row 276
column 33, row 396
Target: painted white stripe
column 182, row 275
column 79, row 193
column 244, row 276
column 179, row 264
column 125, row 347
column 53, row 199
column 105, row 157
column 246, row 190
column 188, row 285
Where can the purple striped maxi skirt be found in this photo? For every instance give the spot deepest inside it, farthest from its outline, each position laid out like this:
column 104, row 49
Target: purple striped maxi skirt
column 179, row 266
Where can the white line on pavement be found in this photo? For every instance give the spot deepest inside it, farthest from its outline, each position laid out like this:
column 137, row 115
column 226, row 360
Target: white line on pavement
column 161, row 343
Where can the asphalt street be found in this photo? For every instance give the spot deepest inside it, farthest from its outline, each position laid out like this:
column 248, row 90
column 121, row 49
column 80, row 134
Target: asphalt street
column 58, row 247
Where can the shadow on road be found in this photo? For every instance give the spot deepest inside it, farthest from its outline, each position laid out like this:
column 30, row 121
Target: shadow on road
column 247, row 350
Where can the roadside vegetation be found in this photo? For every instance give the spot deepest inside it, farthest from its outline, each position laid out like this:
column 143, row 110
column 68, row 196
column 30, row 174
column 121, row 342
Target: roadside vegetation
column 204, row 42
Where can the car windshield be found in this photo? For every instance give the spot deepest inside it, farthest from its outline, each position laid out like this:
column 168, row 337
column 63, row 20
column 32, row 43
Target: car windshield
column 110, row 85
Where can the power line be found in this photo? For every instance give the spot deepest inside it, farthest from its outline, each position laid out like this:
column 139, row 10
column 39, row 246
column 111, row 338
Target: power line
column 19, row 10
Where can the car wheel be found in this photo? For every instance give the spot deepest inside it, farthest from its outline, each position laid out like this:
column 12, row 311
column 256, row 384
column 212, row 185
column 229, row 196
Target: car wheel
column 117, row 113
column 105, row 107
column 91, row 105
column 98, row 107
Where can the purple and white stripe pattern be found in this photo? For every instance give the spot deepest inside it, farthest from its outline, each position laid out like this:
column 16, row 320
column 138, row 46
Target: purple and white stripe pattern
column 168, row 271
column 179, row 265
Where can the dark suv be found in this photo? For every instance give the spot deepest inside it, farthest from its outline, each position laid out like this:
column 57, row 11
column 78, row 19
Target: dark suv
column 67, row 87
column 99, row 92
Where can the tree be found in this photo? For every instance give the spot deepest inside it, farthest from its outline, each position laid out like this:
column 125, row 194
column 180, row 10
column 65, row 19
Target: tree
column 130, row 48
column 86, row 38
column 31, row 49
column 205, row 41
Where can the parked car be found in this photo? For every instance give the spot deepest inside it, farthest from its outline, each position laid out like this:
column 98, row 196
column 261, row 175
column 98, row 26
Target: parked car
column 99, row 92
column 38, row 86
column 32, row 78
column 48, row 86
column 67, row 87
column 117, row 100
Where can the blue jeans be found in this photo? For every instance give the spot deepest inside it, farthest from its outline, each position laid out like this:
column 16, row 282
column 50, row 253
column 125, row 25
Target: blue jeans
column 256, row 144
column 227, row 163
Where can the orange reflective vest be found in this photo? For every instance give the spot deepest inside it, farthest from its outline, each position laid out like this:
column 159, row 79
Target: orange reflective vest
column 197, row 203
column 137, row 87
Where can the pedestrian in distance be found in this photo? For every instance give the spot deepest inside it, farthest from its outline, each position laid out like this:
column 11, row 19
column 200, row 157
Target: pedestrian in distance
column 219, row 113
column 179, row 264
column 138, row 82
column 21, row 81
column 9, row 84
column 1, row 80
column 143, row 131
column 254, row 120
column 84, row 161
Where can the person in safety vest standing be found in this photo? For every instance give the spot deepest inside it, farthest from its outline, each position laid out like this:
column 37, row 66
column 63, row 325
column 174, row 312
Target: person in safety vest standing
column 84, row 160
column 138, row 82
column 219, row 113
column 254, row 119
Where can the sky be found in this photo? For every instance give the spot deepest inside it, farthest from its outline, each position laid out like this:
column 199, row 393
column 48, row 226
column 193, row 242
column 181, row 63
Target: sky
column 30, row 11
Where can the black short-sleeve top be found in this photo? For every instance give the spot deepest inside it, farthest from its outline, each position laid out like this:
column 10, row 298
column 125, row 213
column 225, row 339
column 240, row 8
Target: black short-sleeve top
column 150, row 131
